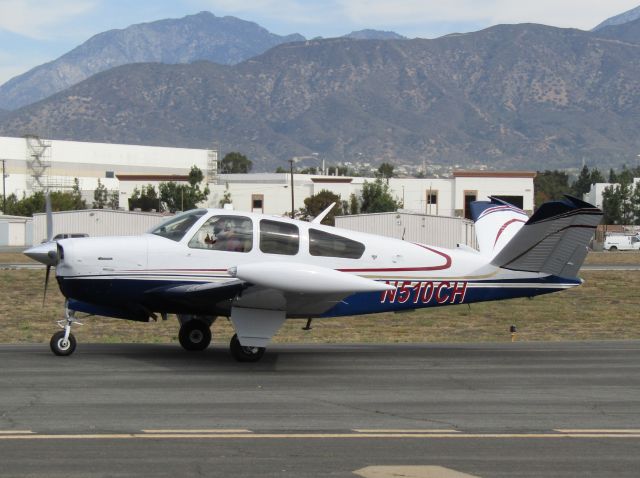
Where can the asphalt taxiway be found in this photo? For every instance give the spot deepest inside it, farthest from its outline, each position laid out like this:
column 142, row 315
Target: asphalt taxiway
column 522, row 409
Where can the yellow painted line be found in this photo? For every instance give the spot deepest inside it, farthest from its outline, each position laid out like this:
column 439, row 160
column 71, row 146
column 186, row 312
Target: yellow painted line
column 399, row 430
column 609, row 430
column 285, row 436
column 15, row 432
column 215, row 430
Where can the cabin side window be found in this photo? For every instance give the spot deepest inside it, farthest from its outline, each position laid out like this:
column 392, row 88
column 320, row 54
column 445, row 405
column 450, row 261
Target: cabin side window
column 224, row 233
column 329, row 245
column 279, row 238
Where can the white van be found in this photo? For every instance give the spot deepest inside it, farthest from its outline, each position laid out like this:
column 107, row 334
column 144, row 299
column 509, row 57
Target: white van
column 622, row 242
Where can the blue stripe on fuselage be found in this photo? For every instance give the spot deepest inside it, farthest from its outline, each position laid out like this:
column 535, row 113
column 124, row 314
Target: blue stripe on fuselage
column 123, row 296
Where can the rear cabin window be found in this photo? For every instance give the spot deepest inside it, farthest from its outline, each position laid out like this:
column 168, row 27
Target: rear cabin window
column 329, row 245
column 279, row 238
column 224, row 233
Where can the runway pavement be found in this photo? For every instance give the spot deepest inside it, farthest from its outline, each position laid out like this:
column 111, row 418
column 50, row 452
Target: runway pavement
column 523, row 409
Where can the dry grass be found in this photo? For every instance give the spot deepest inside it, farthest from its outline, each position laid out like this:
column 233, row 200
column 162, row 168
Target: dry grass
column 613, row 258
column 15, row 258
column 605, row 307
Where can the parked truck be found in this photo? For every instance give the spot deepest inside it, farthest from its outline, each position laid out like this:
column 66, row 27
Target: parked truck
column 622, row 242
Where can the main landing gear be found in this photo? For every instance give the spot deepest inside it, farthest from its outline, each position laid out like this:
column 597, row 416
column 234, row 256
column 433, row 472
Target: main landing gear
column 63, row 343
column 195, row 335
column 245, row 354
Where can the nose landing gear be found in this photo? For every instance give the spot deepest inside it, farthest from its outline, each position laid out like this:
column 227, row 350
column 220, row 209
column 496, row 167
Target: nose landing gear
column 63, row 343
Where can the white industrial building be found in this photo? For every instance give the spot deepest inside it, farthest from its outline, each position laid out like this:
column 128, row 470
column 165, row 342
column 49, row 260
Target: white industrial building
column 271, row 193
column 95, row 223
column 413, row 227
column 34, row 164
column 594, row 196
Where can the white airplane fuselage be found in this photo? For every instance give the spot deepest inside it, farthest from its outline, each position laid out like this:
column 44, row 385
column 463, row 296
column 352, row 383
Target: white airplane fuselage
column 127, row 277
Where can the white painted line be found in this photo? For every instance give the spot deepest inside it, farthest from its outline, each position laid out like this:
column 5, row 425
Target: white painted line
column 15, row 432
column 410, row 472
column 595, row 430
column 285, row 436
column 215, row 430
column 400, row 430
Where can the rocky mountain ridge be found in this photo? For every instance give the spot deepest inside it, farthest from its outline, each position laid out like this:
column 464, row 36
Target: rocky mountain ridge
column 511, row 96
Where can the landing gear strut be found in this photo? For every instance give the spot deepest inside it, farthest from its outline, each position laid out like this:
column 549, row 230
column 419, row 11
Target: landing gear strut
column 245, row 354
column 195, row 335
column 63, row 343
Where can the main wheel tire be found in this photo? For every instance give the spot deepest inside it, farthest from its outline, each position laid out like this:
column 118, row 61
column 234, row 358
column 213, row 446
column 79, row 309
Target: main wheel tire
column 245, row 354
column 61, row 347
column 194, row 335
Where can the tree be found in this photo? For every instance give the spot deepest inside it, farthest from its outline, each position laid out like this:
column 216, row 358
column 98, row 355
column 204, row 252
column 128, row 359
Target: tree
column 78, row 202
column 235, row 162
column 100, row 196
column 114, row 199
column 550, row 185
column 385, row 171
column 182, row 197
column 226, row 197
column 29, row 205
column 354, row 204
column 582, row 184
column 317, row 203
column 376, row 197
column 145, row 199
column 612, row 205
column 635, row 204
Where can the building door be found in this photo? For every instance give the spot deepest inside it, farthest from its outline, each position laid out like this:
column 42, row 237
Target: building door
column 469, row 197
column 257, row 203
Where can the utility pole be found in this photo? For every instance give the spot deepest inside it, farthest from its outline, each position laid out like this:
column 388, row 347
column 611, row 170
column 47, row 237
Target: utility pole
column 295, row 159
column 291, row 161
column 4, row 189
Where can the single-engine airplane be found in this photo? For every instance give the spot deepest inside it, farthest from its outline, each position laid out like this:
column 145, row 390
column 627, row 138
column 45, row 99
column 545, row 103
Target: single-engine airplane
column 260, row 270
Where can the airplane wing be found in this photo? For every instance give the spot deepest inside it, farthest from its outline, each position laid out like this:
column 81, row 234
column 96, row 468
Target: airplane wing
column 277, row 287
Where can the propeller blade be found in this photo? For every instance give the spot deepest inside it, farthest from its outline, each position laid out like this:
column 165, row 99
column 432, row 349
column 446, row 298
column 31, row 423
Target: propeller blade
column 47, row 205
column 46, row 283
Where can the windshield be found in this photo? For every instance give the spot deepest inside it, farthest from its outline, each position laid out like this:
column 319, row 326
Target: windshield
column 176, row 227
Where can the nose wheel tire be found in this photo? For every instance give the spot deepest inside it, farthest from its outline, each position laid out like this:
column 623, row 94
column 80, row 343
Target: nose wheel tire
column 60, row 346
column 245, row 354
column 194, row 335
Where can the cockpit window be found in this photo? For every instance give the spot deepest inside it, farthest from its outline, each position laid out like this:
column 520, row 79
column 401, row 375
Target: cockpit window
column 224, row 233
column 329, row 245
column 176, row 227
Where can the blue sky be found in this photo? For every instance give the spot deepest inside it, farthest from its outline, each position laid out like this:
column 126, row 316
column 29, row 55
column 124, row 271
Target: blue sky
column 33, row 32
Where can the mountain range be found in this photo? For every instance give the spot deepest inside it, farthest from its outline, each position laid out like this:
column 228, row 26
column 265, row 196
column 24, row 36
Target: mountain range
column 225, row 40
column 621, row 19
column 510, row 96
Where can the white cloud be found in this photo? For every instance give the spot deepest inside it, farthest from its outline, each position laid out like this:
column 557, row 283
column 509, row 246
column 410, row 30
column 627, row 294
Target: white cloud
column 583, row 14
column 35, row 18
column 394, row 14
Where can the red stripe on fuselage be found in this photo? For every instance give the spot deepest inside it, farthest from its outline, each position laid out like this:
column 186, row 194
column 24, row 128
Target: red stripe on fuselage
column 446, row 265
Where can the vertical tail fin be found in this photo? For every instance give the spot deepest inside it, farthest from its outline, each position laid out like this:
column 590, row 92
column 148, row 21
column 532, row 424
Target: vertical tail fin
column 496, row 223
